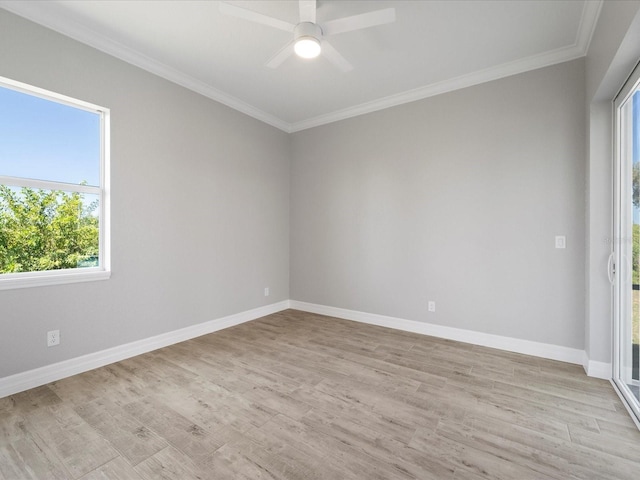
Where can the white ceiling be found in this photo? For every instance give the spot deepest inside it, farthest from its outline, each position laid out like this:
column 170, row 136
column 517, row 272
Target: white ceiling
column 433, row 47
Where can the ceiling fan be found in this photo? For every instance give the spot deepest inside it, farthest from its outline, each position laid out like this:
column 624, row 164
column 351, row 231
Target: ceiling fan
column 308, row 36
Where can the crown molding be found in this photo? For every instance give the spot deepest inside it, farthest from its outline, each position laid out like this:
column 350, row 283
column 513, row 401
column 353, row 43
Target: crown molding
column 43, row 14
column 588, row 20
column 590, row 15
column 481, row 76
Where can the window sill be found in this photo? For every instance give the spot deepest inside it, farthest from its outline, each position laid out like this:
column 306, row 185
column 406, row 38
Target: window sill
column 10, row 281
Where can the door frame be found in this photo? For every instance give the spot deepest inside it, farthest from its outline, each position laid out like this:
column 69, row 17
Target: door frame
column 619, row 265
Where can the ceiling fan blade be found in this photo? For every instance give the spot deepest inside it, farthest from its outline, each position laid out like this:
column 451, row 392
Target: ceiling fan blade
column 284, row 53
column 232, row 10
column 308, row 11
column 334, row 57
column 357, row 22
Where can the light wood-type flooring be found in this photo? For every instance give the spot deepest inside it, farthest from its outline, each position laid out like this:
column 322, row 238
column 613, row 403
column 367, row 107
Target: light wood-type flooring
column 302, row 396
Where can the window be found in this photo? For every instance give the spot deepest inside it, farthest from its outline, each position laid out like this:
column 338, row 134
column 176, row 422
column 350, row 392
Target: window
column 54, row 184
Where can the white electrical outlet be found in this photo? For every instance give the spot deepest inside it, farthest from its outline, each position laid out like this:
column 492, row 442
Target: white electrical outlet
column 561, row 241
column 432, row 306
column 53, row 338
column 266, row 292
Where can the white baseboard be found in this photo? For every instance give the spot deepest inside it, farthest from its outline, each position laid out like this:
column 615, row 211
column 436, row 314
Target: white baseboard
column 596, row 369
column 50, row 373
column 527, row 347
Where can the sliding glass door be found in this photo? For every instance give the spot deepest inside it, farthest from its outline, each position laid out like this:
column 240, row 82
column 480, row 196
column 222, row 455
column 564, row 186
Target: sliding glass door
column 624, row 264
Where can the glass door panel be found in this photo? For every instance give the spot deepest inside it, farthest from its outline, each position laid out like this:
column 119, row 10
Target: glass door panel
column 626, row 255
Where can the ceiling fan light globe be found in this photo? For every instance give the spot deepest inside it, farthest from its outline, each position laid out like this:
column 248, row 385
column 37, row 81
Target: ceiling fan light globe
column 307, row 47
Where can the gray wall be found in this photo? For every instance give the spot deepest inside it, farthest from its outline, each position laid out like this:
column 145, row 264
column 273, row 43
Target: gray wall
column 456, row 199
column 200, row 199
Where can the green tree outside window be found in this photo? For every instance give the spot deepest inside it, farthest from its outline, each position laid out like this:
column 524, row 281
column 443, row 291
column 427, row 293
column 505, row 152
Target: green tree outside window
column 46, row 230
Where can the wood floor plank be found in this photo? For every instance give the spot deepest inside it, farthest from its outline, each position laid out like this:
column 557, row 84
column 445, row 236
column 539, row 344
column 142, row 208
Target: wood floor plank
column 80, row 448
column 562, row 389
column 7, row 405
column 245, row 460
column 544, row 462
column 487, row 463
column 196, row 358
column 363, row 361
column 277, row 401
column 328, row 366
column 620, row 429
column 214, row 407
column 172, row 464
column 191, row 439
column 30, row 458
column 117, row 383
column 116, row 469
column 76, row 390
column 377, row 445
column 380, row 402
column 602, row 442
column 34, row 399
column 608, row 413
column 462, row 474
column 297, row 444
column 330, row 404
column 299, row 396
column 124, row 432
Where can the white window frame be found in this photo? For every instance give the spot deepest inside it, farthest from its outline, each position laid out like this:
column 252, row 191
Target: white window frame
column 72, row 275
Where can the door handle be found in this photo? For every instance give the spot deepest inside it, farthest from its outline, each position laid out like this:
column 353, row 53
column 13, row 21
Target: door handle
column 611, row 269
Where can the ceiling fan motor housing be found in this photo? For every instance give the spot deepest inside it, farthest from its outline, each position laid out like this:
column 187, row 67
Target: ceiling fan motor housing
column 308, row 29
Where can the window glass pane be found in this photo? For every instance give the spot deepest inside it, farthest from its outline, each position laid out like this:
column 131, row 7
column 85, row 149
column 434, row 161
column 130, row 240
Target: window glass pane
column 46, row 140
column 47, row 230
column 628, row 283
column 635, row 190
